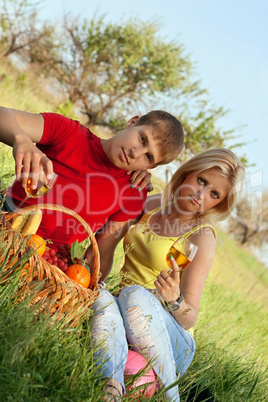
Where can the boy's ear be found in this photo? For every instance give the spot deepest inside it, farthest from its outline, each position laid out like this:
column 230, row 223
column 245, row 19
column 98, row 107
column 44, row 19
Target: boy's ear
column 132, row 121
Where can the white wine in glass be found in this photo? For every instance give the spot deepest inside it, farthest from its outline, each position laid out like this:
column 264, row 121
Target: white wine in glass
column 40, row 190
column 183, row 251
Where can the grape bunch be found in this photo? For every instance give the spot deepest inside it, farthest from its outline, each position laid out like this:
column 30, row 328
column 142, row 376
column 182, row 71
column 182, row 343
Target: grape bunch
column 61, row 258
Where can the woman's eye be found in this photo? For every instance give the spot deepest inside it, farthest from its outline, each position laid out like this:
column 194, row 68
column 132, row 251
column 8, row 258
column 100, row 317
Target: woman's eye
column 142, row 139
column 215, row 194
column 148, row 156
column 201, row 180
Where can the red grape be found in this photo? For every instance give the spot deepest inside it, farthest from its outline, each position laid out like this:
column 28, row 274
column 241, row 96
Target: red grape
column 61, row 258
column 65, row 253
column 65, row 267
column 60, row 247
column 52, row 252
column 61, row 264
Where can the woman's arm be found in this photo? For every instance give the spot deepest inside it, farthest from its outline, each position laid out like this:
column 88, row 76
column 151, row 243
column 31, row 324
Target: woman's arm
column 192, row 280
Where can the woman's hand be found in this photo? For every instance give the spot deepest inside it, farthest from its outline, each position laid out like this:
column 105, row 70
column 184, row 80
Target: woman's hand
column 168, row 283
column 141, row 178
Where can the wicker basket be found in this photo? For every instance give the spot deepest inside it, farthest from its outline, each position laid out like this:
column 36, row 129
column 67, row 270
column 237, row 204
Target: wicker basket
column 52, row 291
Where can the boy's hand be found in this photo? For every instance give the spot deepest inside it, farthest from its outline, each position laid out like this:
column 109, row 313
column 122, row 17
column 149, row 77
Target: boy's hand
column 31, row 161
column 168, row 283
column 140, row 179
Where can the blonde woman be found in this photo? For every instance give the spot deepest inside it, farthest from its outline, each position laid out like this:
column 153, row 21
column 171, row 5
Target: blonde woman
column 156, row 323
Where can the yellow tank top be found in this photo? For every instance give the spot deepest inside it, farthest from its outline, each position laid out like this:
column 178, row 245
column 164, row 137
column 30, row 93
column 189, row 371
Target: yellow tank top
column 145, row 253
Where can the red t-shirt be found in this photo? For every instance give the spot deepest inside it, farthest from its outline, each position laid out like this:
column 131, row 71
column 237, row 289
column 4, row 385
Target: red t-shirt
column 88, row 183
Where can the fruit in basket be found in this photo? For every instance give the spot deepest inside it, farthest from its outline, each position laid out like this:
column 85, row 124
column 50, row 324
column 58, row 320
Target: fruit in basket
column 57, row 258
column 80, row 274
column 65, row 255
column 27, row 223
column 37, row 243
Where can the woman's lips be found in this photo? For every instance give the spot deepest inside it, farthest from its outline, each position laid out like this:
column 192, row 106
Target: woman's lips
column 194, row 201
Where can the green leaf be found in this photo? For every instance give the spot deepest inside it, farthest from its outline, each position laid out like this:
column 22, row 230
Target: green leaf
column 77, row 251
column 87, row 267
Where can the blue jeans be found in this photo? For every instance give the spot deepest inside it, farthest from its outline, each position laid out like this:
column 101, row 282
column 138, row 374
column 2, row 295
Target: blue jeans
column 138, row 318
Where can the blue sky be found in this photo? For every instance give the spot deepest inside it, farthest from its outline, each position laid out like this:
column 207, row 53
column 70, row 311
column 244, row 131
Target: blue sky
column 227, row 40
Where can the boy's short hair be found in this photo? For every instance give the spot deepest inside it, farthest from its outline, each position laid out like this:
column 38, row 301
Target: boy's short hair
column 168, row 134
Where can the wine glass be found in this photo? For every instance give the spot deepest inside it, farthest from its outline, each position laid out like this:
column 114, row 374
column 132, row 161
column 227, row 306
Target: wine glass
column 183, row 251
column 40, row 190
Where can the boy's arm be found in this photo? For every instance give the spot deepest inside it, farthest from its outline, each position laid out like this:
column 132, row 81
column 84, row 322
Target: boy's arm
column 21, row 130
column 107, row 238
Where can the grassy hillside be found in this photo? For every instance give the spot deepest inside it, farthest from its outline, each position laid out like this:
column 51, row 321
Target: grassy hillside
column 52, row 363
column 41, row 362
column 20, row 90
column 237, row 277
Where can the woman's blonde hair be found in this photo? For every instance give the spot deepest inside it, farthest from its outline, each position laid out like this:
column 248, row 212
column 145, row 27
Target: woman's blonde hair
column 228, row 166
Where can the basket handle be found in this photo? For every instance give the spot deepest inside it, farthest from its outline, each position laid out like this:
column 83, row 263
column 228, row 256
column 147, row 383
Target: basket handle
column 54, row 207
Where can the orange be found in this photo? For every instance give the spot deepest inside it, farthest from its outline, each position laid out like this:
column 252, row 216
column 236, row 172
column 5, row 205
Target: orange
column 79, row 274
column 37, row 243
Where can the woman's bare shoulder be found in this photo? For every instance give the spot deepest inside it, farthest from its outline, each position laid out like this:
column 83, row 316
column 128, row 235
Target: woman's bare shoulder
column 204, row 237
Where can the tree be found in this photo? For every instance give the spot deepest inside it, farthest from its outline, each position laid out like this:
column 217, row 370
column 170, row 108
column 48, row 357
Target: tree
column 17, row 22
column 249, row 224
column 105, row 67
column 202, row 132
column 105, row 70
column 21, row 32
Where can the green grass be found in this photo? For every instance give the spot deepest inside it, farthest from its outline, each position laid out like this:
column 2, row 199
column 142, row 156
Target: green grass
column 40, row 361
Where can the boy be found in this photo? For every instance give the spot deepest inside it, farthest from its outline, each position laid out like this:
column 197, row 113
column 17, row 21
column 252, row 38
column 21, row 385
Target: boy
column 92, row 172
